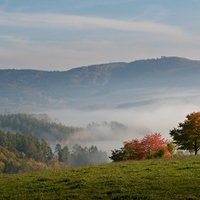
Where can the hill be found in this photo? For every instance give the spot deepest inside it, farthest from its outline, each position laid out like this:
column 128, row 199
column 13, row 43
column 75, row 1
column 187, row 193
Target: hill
column 42, row 128
column 25, row 153
column 105, row 85
column 176, row 178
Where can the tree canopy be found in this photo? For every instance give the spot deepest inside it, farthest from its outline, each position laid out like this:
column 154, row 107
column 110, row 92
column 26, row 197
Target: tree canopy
column 23, row 153
column 42, row 128
column 187, row 135
column 151, row 146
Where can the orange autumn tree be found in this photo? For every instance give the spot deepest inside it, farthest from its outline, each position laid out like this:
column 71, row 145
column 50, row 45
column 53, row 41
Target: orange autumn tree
column 151, row 146
column 154, row 145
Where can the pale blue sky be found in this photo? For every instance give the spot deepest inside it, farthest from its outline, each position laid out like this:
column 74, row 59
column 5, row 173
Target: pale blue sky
column 63, row 34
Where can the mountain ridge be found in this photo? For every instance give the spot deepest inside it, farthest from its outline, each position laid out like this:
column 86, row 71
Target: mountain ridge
column 59, row 89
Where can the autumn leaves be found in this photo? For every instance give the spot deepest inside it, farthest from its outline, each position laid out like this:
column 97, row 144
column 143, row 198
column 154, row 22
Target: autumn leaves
column 185, row 137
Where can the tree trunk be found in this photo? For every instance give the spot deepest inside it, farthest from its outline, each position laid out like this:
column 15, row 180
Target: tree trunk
column 195, row 147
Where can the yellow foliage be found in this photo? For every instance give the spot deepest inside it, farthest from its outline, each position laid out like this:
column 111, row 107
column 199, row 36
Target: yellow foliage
column 2, row 157
column 2, row 165
column 55, row 164
column 36, row 166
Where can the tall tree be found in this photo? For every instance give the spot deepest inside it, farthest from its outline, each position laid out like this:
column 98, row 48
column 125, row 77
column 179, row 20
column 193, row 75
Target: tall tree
column 62, row 154
column 187, row 135
column 46, row 150
column 65, row 155
column 3, row 139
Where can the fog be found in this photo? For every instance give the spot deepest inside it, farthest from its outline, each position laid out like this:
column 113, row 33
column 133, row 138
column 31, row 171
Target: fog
column 159, row 116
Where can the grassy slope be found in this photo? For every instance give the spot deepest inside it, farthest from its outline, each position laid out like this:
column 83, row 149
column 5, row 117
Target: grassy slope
column 150, row 179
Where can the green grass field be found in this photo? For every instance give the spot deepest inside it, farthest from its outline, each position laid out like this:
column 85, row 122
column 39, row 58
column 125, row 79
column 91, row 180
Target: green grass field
column 174, row 178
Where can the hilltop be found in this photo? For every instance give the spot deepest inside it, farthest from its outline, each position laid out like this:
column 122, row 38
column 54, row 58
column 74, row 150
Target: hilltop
column 96, row 86
column 175, row 178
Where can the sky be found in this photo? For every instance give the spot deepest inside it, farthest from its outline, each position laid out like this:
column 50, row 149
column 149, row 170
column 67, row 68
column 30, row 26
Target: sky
column 63, row 34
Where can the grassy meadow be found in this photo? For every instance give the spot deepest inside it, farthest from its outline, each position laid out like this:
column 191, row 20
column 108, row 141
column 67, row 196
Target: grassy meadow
column 174, row 178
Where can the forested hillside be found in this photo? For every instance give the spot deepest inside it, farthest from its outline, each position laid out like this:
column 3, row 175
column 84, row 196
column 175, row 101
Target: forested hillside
column 24, row 153
column 26, row 145
column 96, row 85
column 42, row 128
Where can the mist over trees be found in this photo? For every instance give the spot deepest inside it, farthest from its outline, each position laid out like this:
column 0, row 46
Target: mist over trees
column 80, row 156
column 22, row 153
column 37, row 125
column 25, row 145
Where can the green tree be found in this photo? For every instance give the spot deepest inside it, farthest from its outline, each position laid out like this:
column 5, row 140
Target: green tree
column 58, row 149
column 21, row 142
column 11, row 141
column 80, row 156
column 3, row 138
column 62, row 154
column 65, row 155
column 34, row 149
column 171, row 148
column 117, row 154
column 187, row 135
column 46, row 151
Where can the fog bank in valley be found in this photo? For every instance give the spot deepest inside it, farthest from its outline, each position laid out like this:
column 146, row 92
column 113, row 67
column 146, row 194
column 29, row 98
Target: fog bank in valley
column 134, row 122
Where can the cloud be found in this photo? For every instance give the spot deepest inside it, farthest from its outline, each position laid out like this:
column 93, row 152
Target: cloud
column 27, row 54
column 15, row 41
column 62, row 21
column 57, row 41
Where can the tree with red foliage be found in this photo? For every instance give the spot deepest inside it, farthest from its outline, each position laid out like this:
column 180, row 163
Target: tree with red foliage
column 151, row 146
column 134, row 150
column 154, row 143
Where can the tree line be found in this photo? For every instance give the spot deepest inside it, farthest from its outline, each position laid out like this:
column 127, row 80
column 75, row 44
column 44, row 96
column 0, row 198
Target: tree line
column 26, row 152
column 22, row 153
column 151, row 146
column 37, row 125
column 185, row 137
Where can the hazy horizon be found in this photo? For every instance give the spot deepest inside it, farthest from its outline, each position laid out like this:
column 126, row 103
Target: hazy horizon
column 61, row 35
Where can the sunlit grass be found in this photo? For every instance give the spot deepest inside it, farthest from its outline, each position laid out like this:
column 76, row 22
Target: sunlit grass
column 176, row 178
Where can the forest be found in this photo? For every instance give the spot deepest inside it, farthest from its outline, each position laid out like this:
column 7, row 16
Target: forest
column 23, row 150
column 23, row 147
column 119, row 85
column 40, row 126
column 24, row 153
